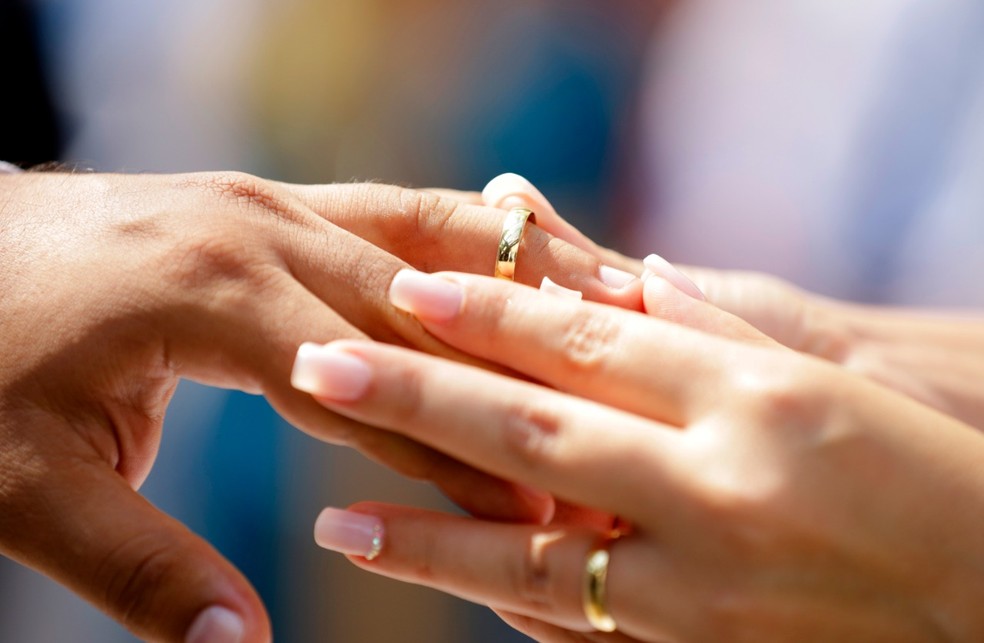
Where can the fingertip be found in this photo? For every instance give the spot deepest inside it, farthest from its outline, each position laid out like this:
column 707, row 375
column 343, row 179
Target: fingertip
column 224, row 607
column 350, row 532
column 552, row 288
column 619, row 288
column 663, row 299
column 217, row 624
column 614, row 278
column 657, row 265
column 231, row 611
column 330, row 372
column 509, row 185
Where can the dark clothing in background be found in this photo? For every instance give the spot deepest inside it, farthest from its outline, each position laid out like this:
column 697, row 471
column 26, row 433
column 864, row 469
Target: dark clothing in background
column 29, row 130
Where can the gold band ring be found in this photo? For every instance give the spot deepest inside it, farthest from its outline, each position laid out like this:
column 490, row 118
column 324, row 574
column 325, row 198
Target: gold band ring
column 512, row 234
column 594, row 595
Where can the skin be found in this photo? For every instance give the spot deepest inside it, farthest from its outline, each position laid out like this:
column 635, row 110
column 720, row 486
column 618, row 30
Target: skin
column 934, row 357
column 115, row 287
column 773, row 496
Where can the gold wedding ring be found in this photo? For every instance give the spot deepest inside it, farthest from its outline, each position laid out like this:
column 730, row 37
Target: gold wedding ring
column 512, row 234
column 594, row 595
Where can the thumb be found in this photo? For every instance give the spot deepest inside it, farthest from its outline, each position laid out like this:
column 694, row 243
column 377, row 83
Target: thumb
column 84, row 526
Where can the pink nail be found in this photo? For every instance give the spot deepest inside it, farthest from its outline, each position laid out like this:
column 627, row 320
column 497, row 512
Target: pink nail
column 552, row 288
column 330, row 372
column 509, row 187
column 426, row 296
column 615, row 278
column 216, row 625
column 663, row 268
column 349, row 533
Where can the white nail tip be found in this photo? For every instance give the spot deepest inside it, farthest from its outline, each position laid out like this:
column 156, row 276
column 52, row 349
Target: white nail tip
column 504, row 186
column 552, row 288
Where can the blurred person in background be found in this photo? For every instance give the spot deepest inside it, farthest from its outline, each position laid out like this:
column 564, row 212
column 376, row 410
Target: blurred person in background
column 838, row 146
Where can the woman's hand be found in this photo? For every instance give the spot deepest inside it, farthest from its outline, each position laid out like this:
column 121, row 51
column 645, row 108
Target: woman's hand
column 771, row 496
column 934, row 357
column 114, row 287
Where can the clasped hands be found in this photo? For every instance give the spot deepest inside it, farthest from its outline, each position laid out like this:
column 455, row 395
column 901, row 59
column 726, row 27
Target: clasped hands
column 735, row 460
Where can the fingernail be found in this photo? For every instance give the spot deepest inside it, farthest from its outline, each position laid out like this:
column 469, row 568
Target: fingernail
column 327, row 371
column 349, row 533
column 552, row 288
column 663, row 268
column 615, row 278
column 426, row 295
column 505, row 186
column 216, row 625
column 511, row 202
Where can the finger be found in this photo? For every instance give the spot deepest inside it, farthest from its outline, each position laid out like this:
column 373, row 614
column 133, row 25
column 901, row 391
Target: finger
column 433, row 233
column 631, row 361
column 666, row 301
column 511, row 191
column 543, row 631
column 583, row 452
column 522, row 568
column 85, row 527
column 461, row 196
column 280, row 324
column 351, row 275
column 537, row 572
column 261, row 334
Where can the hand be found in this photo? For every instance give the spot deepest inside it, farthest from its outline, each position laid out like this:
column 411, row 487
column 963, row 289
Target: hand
column 114, row 287
column 936, row 358
column 772, row 496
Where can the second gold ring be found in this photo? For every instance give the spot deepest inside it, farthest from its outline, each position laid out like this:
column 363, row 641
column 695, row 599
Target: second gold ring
column 512, row 235
column 594, row 592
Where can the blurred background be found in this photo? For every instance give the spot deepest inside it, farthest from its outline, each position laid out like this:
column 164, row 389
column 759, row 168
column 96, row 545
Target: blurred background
column 837, row 144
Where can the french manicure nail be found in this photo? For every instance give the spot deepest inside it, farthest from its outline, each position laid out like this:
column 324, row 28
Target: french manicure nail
column 327, row 371
column 615, row 278
column 663, row 268
column 511, row 202
column 216, row 625
column 426, row 296
column 505, row 186
column 349, row 533
column 552, row 288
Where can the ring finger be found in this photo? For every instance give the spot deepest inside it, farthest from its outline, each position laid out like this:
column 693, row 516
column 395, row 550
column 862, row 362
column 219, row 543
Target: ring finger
column 432, row 233
column 528, row 570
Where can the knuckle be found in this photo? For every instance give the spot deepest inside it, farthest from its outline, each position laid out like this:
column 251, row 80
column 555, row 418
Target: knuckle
column 426, row 222
column 217, row 253
column 532, row 433
column 587, row 341
column 206, row 256
column 130, row 590
column 742, row 515
column 784, row 396
column 425, row 562
column 407, row 396
column 529, row 577
column 428, row 213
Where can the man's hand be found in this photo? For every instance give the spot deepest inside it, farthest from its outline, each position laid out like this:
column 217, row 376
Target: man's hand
column 115, row 287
